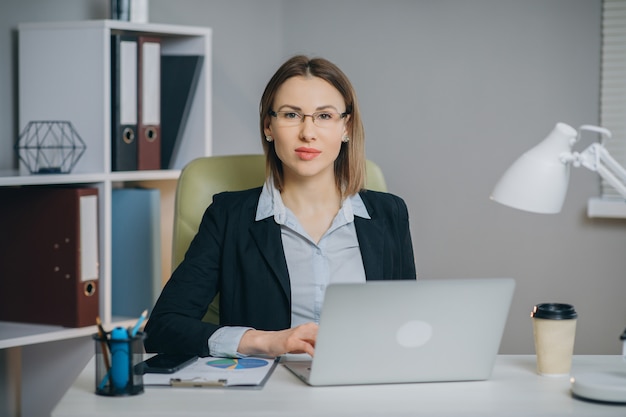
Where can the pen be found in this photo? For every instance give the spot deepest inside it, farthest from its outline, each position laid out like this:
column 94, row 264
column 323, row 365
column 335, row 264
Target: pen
column 105, row 352
column 135, row 329
column 197, row 383
column 104, row 381
column 103, row 344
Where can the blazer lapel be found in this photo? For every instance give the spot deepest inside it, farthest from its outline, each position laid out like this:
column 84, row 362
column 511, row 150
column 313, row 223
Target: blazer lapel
column 370, row 233
column 266, row 234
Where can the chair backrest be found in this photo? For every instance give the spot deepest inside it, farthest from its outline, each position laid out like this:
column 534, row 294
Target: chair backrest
column 199, row 181
column 206, row 176
column 201, row 178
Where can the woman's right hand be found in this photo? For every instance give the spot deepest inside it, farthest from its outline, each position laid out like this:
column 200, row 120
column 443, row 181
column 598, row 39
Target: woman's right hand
column 300, row 339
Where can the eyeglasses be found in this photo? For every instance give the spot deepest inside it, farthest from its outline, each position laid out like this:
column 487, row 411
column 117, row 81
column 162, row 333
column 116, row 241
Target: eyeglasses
column 320, row 118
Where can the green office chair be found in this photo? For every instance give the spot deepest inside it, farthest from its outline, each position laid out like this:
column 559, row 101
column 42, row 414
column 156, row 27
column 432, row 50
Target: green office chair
column 201, row 178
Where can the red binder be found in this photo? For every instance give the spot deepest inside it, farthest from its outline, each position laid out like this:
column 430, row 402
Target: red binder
column 49, row 255
column 149, row 103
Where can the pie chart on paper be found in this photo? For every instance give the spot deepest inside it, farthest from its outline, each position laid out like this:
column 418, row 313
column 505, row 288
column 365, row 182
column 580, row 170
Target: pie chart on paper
column 243, row 363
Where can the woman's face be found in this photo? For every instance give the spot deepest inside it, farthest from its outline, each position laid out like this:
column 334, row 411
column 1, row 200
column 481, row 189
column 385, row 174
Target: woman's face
column 307, row 149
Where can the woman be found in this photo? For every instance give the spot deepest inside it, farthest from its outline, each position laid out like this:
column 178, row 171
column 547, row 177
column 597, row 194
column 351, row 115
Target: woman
column 271, row 251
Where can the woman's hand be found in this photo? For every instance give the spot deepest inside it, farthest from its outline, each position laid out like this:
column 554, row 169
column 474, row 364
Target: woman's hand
column 300, row 339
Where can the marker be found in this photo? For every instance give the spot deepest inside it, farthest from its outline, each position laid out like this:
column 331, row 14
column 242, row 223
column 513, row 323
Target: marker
column 135, row 329
column 120, row 367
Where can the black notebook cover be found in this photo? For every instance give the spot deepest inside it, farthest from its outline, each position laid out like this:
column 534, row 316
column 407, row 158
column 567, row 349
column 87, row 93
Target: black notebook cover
column 179, row 80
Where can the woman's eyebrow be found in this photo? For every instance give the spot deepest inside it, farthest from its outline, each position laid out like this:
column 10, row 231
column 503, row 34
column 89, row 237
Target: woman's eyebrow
column 290, row 107
column 296, row 108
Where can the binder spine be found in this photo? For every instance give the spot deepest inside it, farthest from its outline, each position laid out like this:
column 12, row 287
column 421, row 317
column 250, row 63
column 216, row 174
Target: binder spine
column 89, row 268
column 124, row 78
column 149, row 104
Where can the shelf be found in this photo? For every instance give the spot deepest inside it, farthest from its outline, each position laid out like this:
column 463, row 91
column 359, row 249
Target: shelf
column 154, row 28
column 13, row 178
column 65, row 74
column 22, row 334
column 170, row 174
column 606, row 208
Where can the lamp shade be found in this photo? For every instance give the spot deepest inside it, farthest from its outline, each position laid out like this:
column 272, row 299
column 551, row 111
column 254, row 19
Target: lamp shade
column 538, row 180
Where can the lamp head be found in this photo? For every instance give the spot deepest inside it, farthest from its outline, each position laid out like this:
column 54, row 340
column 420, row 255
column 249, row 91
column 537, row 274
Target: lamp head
column 538, row 180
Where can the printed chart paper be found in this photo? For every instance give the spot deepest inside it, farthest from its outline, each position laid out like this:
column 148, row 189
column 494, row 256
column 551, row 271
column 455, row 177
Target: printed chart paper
column 224, row 372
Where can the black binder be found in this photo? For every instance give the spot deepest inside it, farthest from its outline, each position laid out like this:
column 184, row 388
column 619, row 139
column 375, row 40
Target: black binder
column 179, row 81
column 49, row 255
column 124, row 78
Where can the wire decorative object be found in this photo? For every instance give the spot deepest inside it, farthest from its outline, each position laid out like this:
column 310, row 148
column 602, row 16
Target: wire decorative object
column 50, row 147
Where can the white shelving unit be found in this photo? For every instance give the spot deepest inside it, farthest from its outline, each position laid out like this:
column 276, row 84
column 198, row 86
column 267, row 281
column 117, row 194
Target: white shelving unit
column 65, row 74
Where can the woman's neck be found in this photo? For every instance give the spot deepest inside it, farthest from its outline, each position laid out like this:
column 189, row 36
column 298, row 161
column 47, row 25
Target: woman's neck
column 314, row 202
column 310, row 193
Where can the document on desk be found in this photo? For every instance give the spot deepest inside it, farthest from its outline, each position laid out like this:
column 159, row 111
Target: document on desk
column 210, row 372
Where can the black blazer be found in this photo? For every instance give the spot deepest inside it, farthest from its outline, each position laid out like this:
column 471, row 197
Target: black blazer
column 244, row 261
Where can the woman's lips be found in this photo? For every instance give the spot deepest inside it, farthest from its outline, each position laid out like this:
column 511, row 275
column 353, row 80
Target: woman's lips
column 307, row 153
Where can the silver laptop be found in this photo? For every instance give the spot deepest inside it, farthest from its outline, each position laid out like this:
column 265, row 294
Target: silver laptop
column 408, row 331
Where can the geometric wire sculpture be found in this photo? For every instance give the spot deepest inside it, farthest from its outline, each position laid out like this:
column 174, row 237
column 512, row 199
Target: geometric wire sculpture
column 49, row 147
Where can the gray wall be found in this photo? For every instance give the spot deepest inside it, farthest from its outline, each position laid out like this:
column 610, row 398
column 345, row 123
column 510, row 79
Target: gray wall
column 452, row 92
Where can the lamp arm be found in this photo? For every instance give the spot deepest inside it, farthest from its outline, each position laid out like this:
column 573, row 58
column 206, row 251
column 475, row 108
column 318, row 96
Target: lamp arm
column 597, row 158
column 598, row 129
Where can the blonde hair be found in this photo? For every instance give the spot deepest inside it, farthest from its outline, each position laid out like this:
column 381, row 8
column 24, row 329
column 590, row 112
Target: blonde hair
column 350, row 163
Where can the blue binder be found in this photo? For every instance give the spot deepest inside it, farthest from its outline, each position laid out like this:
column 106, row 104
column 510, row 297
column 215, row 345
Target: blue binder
column 136, row 250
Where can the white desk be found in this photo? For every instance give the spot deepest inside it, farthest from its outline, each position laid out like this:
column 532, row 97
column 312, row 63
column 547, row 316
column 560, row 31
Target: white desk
column 513, row 390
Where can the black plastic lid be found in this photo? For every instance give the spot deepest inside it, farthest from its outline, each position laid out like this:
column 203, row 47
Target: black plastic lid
column 554, row 311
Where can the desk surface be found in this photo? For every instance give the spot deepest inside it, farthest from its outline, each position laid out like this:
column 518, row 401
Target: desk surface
column 514, row 389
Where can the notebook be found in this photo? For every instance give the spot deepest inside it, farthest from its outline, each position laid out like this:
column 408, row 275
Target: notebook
column 408, row 331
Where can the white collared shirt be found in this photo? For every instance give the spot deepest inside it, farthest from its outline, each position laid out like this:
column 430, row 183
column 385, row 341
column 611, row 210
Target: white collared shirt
column 312, row 266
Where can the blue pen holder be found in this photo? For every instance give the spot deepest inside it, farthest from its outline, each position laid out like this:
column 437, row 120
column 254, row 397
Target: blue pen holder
column 117, row 357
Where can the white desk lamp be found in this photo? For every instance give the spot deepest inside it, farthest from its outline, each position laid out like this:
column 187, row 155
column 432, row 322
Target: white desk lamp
column 537, row 182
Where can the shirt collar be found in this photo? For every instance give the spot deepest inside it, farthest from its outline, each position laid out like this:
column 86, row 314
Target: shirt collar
column 271, row 204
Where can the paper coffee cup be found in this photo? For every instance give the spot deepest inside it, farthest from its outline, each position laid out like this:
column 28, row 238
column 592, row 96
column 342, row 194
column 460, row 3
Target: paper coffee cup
column 554, row 329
